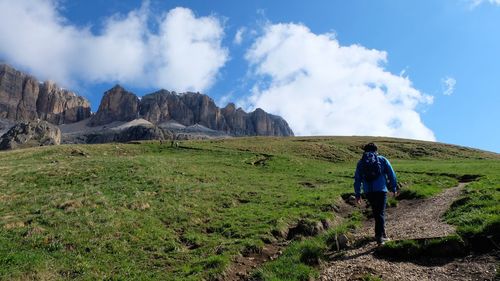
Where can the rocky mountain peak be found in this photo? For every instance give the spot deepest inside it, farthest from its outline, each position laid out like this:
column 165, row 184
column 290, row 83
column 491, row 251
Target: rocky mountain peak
column 230, row 107
column 117, row 104
column 23, row 98
column 187, row 109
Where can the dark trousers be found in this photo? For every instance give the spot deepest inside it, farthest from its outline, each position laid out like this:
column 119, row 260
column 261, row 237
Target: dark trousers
column 378, row 201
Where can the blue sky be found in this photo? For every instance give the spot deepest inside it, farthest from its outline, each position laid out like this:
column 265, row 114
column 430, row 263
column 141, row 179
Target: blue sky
column 415, row 69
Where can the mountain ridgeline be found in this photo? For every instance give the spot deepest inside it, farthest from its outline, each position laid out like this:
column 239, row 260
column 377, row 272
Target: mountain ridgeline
column 187, row 109
column 23, row 98
column 123, row 116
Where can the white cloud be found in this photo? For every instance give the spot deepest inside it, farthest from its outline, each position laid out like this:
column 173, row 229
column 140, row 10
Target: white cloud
column 448, row 85
column 184, row 54
column 225, row 99
column 323, row 88
column 238, row 37
column 475, row 3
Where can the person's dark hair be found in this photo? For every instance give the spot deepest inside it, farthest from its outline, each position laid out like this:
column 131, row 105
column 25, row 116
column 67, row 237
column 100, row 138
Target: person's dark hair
column 371, row 147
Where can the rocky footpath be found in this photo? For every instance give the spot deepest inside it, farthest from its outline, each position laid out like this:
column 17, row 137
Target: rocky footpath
column 417, row 220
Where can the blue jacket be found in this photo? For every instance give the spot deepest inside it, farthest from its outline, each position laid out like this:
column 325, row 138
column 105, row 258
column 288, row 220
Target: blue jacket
column 388, row 177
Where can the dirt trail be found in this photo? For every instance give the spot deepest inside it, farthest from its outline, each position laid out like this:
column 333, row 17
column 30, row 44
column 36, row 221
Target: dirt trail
column 411, row 219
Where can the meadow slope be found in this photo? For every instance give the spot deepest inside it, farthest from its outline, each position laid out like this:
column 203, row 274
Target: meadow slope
column 150, row 211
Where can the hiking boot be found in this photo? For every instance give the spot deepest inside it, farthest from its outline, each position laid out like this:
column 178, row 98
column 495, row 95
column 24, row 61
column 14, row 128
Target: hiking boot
column 381, row 241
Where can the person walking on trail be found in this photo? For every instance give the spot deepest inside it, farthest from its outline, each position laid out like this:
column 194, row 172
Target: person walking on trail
column 375, row 173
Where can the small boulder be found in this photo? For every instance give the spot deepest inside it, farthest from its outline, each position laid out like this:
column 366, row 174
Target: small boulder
column 30, row 134
column 339, row 242
column 351, row 200
column 305, row 227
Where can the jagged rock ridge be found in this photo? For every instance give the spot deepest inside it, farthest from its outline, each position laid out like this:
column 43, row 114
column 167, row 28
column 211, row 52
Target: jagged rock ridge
column 116, row 105
column 187, row 109
column 30, row 134
column 167, row 114
column 23, row 98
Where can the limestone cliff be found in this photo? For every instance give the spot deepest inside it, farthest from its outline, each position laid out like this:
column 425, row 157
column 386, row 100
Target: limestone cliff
column 117, row 104
column 23, row 98
column 187, row 109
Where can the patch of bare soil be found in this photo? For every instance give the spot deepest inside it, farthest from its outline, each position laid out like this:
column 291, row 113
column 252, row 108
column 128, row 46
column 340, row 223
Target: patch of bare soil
column 421, row 218
column 411, row 219
column 243, row 265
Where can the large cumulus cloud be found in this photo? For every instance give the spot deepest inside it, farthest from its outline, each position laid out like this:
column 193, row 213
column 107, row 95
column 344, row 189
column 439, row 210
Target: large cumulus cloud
column 323, row 88
column 183, row 53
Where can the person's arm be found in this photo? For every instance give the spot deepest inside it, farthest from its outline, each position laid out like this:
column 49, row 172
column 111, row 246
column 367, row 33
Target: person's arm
column 391, row 175
column 357, row 183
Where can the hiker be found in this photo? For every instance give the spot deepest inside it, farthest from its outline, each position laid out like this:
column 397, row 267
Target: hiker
column 376, row 175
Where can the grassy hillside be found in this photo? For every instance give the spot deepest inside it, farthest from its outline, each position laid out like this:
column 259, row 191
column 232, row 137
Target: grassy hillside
column 150, row 211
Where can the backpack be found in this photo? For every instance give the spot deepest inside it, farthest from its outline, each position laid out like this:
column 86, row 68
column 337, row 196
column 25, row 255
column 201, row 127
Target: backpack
column 371, row 167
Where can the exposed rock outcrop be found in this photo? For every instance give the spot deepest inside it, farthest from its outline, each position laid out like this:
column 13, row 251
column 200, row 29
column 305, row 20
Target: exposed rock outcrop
column 5, row 125
column 23, row 98
column 116, row 105
column 256, row 123
column 59, row 106
column 139, row 132
column 266, row 124
column 30, row 134
column 188, row 109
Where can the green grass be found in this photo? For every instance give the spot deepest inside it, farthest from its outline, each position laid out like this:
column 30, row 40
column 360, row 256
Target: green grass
column 424, row 185
column 147, row 211
column 449, row 246
column 477, row 213
column 301, row 258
